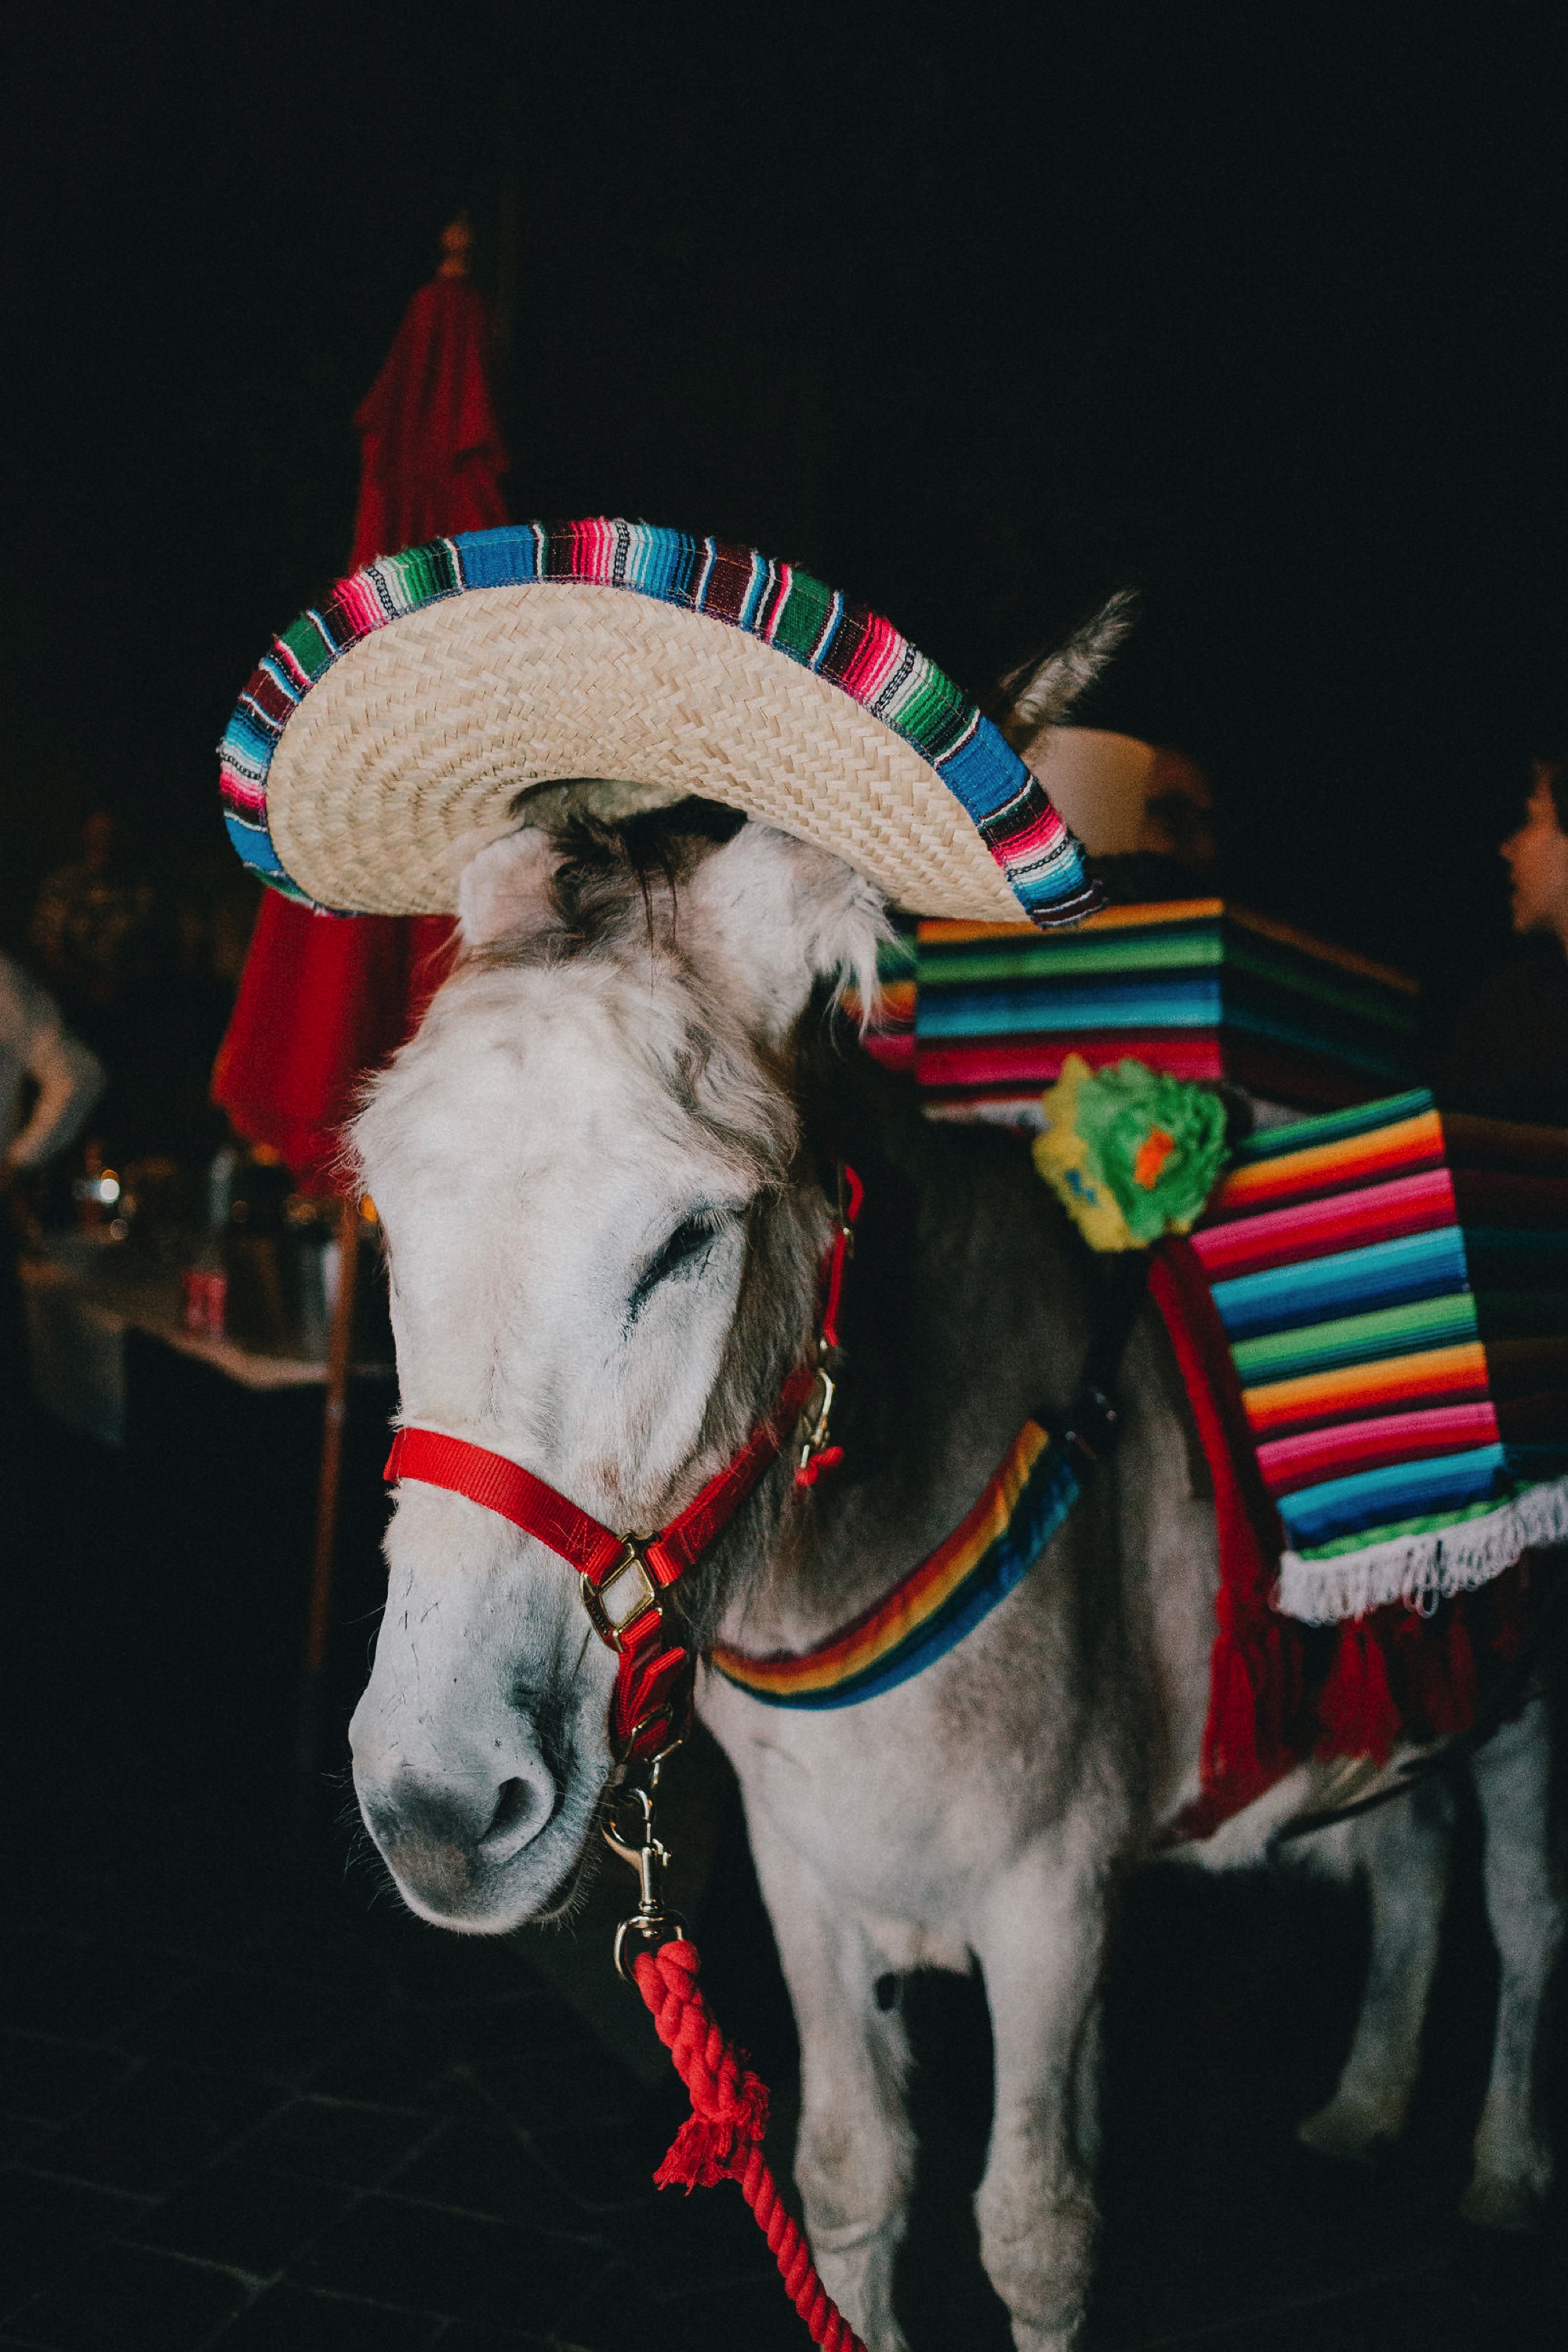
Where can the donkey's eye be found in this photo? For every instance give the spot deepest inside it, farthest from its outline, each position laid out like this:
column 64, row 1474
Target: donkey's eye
column 687, row 1245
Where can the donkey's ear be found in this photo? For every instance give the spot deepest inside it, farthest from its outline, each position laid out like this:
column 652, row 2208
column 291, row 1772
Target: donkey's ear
column 1042, row 691
column 504, row 891
column 784, row 915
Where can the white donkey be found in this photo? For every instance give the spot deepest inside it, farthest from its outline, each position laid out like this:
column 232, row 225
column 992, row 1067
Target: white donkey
column 599, row 1167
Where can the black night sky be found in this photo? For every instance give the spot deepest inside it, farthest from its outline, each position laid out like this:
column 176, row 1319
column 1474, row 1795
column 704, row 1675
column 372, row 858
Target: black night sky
column 979, row 314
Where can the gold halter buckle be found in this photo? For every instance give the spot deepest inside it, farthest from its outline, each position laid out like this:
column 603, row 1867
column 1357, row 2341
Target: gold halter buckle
column 811, row 1431
column 621, row 1599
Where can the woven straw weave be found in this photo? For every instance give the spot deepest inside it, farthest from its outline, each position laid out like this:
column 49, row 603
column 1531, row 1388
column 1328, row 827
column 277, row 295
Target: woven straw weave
column 410, row 752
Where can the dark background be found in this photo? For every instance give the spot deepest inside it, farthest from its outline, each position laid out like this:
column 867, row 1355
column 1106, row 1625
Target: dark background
column 979, row 314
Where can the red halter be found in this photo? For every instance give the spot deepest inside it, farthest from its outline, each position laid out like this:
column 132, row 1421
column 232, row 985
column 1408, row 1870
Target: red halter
column 623, row 1577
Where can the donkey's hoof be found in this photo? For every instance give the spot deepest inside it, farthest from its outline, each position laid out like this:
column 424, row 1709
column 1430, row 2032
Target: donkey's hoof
column 1347, row 2130
column 859, row 2278
column 1491, row 2203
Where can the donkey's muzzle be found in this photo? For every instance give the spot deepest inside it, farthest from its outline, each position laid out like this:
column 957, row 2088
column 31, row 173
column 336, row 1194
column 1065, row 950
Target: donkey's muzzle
column 449, row 1843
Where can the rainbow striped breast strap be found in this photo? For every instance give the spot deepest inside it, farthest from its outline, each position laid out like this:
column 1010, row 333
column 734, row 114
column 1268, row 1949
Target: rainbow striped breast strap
column 987, row 1555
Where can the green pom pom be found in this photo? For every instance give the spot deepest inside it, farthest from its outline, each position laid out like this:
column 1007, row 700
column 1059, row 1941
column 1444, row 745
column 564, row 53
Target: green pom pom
column 1131, row 1152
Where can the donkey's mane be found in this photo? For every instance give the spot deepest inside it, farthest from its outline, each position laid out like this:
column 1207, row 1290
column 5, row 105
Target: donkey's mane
column 609, row 874
column 614, row 906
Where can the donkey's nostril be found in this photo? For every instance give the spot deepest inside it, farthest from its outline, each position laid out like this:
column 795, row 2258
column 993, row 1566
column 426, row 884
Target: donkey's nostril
column 523, row 1809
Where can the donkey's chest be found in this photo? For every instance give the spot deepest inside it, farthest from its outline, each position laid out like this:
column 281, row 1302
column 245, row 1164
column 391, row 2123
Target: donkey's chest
column 874, row 1799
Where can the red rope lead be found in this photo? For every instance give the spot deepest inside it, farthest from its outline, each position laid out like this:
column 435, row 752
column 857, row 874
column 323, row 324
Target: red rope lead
column 720, row 2138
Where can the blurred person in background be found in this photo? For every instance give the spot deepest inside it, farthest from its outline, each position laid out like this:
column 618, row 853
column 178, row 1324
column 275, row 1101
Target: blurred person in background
column 1508, row 1054
column 174, row 1014
column 92, row 935
column 143, row 953
column 35, row 1049
column 89, row 925
column 36, row 1045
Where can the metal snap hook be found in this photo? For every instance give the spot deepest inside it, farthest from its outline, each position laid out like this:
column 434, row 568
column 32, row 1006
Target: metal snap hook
column 643, row 1852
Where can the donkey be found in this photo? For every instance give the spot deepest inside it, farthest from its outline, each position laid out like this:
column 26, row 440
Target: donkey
column 603, row 1167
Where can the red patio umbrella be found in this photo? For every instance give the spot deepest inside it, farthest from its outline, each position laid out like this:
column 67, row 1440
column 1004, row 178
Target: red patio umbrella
column 324, row 999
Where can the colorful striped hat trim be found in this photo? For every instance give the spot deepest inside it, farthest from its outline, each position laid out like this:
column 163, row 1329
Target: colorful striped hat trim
column 390, row 732
column 987, row 1555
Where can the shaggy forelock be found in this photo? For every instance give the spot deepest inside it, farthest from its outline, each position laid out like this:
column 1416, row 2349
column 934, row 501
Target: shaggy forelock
column 624, row 978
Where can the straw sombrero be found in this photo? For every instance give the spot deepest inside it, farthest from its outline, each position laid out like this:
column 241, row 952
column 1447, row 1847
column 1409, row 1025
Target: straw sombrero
column 442, row 698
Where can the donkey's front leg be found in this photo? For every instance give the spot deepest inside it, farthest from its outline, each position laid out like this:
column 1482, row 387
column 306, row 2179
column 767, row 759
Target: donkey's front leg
column 855, row 2155
column 1040, row 1942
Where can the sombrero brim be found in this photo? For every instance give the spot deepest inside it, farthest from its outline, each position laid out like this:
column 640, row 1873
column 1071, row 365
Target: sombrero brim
column 425, row 710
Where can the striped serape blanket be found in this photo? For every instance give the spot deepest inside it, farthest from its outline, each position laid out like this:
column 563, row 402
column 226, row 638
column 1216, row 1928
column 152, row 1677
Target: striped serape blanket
column 1195, row 987
column 1279, row 1690
column 1371, row 1325
column 1393, row 1283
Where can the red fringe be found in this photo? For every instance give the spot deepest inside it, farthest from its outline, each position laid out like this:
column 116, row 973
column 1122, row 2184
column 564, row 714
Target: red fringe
column 1230, row 1735
column 1436, row 1665
column 1355, row 1706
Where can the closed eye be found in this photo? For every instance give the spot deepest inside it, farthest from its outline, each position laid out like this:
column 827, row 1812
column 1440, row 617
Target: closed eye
column 681, row 1253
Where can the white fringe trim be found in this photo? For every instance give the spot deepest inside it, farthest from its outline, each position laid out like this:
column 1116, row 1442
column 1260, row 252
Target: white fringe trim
column 1421, row 1570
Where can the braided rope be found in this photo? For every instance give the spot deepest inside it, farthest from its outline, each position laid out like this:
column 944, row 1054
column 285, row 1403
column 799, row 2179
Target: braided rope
column 722, row 2137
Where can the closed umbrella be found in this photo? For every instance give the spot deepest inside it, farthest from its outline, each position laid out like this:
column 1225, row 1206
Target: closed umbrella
column 324, row 1000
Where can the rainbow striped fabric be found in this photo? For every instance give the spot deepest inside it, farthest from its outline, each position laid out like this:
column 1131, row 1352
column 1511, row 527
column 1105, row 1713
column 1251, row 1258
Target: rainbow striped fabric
column 1195, row 987
column 986, row 1556
column 778, row 603
column 1394, row 1283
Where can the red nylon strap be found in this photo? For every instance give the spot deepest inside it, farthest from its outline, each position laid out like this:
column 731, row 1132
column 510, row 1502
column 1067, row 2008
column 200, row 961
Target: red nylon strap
column 653, row 1677
column 506, row 1488
column 515, row 1493
column 681, row 1544
column 653, row 1689
column 853, row 1193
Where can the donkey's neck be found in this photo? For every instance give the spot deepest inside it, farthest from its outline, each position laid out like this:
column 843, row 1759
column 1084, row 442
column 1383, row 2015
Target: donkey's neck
column 966, row 1312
